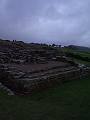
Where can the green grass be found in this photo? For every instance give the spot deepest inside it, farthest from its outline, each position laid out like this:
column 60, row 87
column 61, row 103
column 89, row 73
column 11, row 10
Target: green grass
column 81, row 61
column 80, row 53
column 85, row 54
column 70, row 101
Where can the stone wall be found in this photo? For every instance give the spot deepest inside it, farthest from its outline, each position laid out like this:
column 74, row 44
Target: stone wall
column 29, row 85
column 26, row 86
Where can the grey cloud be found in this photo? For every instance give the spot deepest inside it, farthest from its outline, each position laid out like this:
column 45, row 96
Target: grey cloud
column 48, row 21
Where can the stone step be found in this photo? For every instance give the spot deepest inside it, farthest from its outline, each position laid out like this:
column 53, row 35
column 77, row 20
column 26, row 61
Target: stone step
column 49, row 72
column 45, row 76
column 16, row 74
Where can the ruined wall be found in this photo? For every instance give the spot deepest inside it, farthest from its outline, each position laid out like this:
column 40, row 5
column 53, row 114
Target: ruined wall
column 26, row 86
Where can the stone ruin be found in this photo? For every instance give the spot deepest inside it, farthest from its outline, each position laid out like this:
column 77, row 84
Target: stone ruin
column 24, row 70
column 26, row 82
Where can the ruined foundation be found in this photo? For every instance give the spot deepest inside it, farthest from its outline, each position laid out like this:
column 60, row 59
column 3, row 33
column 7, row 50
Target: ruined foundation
column 32, row 81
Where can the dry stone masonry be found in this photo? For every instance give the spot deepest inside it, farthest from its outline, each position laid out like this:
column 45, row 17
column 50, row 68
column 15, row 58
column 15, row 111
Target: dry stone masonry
column 25, row 68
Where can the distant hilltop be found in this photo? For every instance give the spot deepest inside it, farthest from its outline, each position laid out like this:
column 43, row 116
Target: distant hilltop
column 16, row 43
column 21, row 44
column 80, row 48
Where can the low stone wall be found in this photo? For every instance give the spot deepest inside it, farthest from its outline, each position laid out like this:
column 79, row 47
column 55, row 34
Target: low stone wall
column 6, row 90
column 29, row 86
column 85, row 72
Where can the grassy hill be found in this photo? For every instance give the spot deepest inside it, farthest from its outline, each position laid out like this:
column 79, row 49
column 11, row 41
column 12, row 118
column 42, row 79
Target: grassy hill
column 78, row 53
column 79, row 48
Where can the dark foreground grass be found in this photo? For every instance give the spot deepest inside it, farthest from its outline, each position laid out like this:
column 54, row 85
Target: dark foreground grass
column 70, row 101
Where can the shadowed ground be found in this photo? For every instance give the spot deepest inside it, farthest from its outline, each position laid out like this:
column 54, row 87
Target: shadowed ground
column 70, row 101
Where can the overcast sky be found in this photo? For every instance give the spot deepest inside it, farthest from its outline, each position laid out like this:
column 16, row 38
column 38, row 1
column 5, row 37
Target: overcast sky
column 47, row 21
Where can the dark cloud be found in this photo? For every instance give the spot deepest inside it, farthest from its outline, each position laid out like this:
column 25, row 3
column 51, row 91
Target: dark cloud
column 52, row 21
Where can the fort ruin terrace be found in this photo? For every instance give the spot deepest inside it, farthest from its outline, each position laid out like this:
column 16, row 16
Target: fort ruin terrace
column 25, row 68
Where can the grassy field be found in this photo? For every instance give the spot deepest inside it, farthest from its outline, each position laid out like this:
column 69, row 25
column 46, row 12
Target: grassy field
column 79, row 56
column 70, row 101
